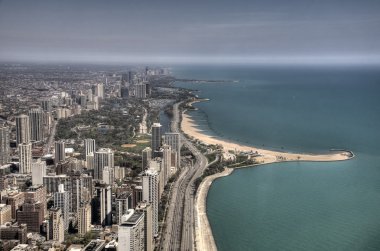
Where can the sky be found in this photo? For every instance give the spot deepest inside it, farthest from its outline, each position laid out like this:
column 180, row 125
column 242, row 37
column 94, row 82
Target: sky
column 256, row 31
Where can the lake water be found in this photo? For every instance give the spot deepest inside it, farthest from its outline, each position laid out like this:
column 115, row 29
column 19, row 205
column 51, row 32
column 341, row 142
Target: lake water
column 294, row 206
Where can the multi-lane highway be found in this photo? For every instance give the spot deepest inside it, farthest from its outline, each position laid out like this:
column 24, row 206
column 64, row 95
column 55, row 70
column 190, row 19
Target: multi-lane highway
column 179, row 231
column 50, row 140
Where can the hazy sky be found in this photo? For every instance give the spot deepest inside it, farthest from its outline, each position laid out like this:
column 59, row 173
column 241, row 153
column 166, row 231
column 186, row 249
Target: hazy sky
column 175, row 30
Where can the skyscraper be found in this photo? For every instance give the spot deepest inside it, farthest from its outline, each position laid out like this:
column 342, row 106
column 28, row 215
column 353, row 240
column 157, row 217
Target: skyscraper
column 140, row 90
column 62, row 201
column 84, row 218
column 103, row 157
column 57, row 225
column 25, row 156
column 38, row 172
column 4, row 145
column 60, row 154
column 101, row 205
column 146, row 208
column 22, row 129
column 166, row 163
column 156, row 137
column 150, row 194
column 36, row 123
column 46, row 105
column 31, row 214
column 146, row 157
column 99, row 90
column 173, row 139
column 90, row 146
column 131, row 232
column 108, row 175
column 123, row 203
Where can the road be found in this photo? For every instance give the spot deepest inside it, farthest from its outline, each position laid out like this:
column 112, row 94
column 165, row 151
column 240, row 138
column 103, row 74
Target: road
column 179, row 231
column 50, row 140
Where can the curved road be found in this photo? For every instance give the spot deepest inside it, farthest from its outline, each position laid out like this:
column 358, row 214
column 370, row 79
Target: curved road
column 179, row 231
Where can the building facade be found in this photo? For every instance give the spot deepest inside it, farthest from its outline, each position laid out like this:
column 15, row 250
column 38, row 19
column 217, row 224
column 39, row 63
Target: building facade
column 25, row 156
column 102, row 158
column 4, row 145
column 36, row 124
column 59, row 154
column 62, row 201
column 173, row 139
column 156, row 137
column 131, row 235
column 150, row 188
column 22, row 129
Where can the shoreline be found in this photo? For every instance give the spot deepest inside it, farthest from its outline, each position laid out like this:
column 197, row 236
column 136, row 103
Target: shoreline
column 204, row 239
column 189, row 127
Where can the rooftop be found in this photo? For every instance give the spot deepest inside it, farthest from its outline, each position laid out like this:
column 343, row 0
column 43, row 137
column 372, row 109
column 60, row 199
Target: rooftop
column 133, row 219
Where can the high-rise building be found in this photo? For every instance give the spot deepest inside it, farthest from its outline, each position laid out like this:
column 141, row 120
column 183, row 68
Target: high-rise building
column 89, row 146
column 103, row 157
column 101, row 205
column 99, row 90
column 60, row 154
column 108, row 175
column 57, row 225
column 150, row 194
column 131, row 235
column 173, row 139
column 140, row 90
column 146, row 208
column 123, row 203
column 81, row 189
column 156, row 137
column 46, row 105
column 38, row 172
column 166, row 163
column 62, row 201
column 37, row 193
column 22, row 129
column 124, row 92
column 52, row 182
column 90, row 161
column 4, row 145
column 36, row 123
column 32, row 215
column 146, row 157
column 83, row 100
column 127, row 77
column 84, row 218
column 25, row 156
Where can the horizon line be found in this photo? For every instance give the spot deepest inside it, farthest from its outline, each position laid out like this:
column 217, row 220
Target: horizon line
column 354, row 60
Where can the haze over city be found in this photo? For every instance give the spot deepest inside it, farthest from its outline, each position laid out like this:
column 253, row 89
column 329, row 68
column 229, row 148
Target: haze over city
column 134, row 125
column 273, row 31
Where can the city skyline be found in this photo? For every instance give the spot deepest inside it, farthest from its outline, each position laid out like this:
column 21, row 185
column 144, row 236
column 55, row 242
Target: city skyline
column 195, row 32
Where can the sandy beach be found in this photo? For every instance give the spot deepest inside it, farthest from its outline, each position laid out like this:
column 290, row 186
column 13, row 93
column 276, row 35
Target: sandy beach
column 204, row 238
column 189, row 127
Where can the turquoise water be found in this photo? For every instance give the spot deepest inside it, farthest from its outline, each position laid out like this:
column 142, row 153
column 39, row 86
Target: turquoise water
column 294, row 206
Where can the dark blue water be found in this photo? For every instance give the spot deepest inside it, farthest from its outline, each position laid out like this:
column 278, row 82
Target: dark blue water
column 295, row 206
